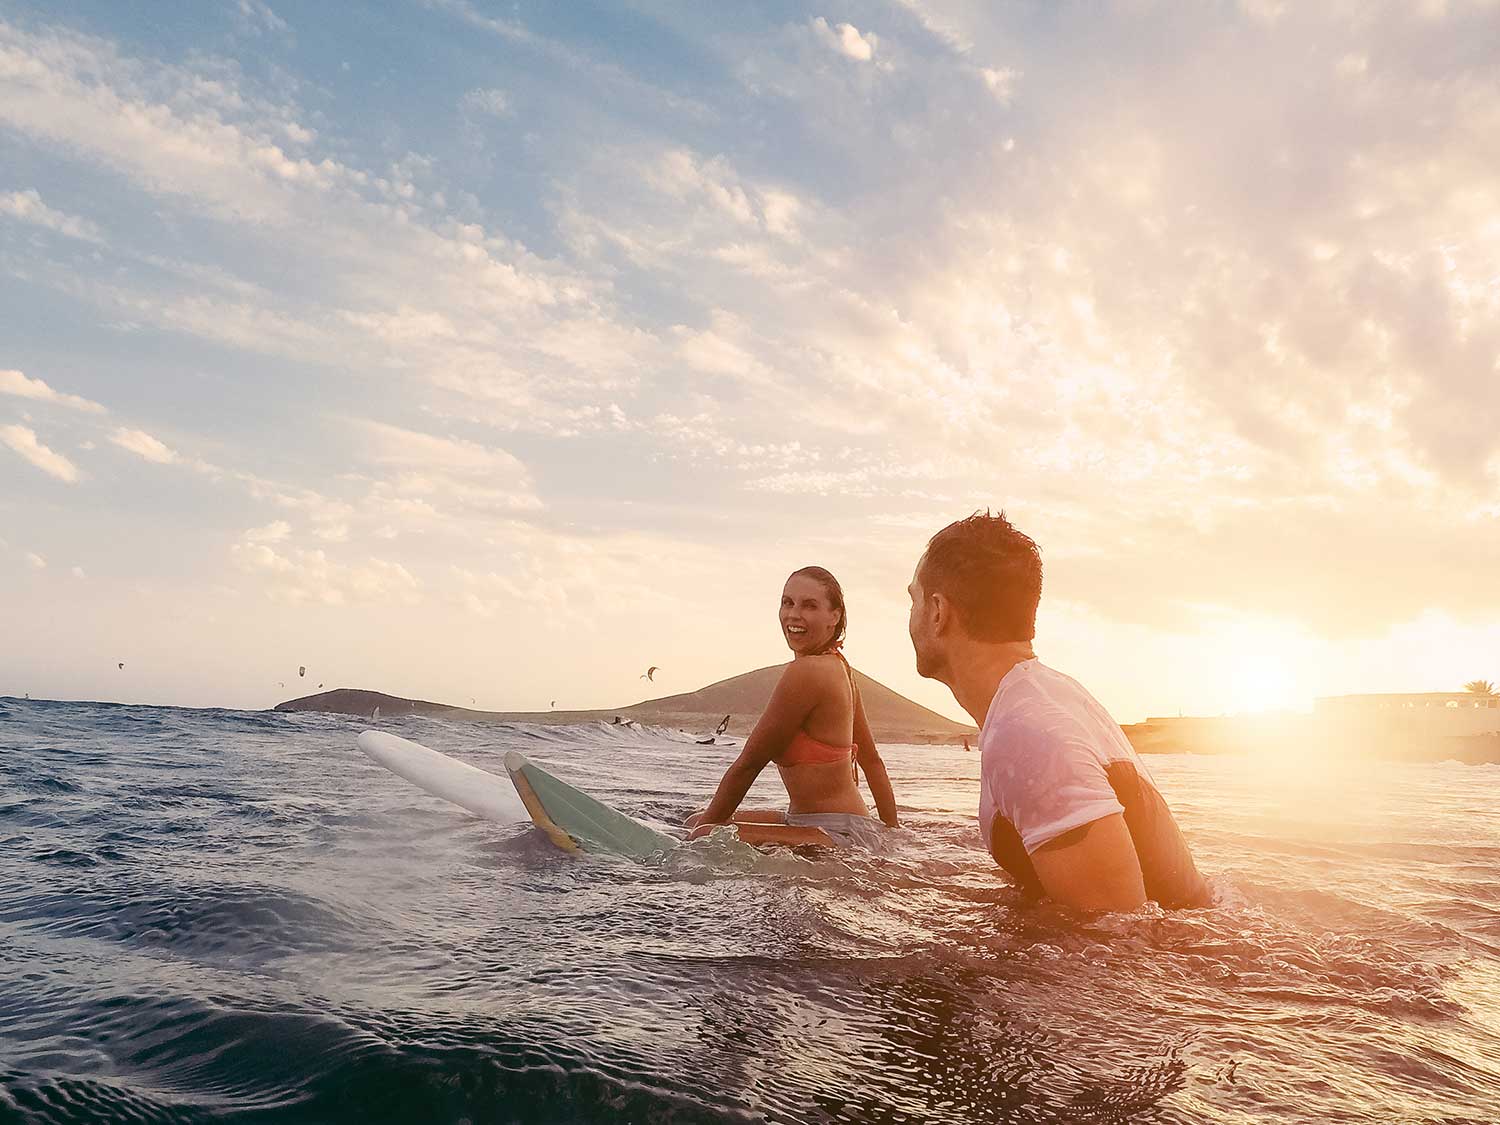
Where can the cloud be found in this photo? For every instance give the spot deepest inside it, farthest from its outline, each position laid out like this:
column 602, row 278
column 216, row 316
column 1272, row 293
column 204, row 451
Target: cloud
column 946, row 31
column 683, row 175
column 420, row 482
column 491, row 102
column 393, row 445
column 601, row 79
column 845, row 39
column 36, row 560
column 27, row 206
column 78, row 572
column 684, row 216
column 300, row 576
column 392, row 279
column 77, row 91
column 15, row 383
column 920, row 300
column 24, row 442
column 894, row 476
column 256, row 17
column 723, row 349
column 317, row 507
column 1001, row 82
column 489, row 594
column 1087, row 303
column 580, row 578
column 143, row 445
column 273, row 532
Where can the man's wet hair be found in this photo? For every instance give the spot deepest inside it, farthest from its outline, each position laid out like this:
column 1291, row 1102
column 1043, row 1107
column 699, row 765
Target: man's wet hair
column 990, row 572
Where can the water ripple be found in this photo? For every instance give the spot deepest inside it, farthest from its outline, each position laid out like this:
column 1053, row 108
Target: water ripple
column 222, row 915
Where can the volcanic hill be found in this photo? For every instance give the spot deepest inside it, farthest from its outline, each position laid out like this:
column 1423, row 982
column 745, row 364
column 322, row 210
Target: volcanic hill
column 893, row 717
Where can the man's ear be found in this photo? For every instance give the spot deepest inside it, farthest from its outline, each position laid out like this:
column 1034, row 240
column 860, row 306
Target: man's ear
column 942, row 614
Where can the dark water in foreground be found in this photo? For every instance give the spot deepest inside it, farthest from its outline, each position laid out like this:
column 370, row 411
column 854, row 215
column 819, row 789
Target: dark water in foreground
column 214, row 915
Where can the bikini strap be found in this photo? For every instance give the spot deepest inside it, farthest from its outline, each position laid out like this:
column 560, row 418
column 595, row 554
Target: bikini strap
column 854, row 704
column 848, row 671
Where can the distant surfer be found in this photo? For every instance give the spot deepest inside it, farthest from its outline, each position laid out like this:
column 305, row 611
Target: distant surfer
column 723, row 726
column 814, row 730
column 967, row 747
column 1066, row 806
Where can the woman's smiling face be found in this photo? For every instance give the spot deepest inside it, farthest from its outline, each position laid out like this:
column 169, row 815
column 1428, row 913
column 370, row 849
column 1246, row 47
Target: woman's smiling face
column 808, row 617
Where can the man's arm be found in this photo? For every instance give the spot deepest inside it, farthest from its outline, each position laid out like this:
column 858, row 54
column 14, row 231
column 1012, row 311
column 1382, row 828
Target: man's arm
column 1093, row 867
column 874, row 766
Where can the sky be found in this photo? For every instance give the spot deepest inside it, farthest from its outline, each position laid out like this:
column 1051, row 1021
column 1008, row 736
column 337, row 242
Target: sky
column 495, row 352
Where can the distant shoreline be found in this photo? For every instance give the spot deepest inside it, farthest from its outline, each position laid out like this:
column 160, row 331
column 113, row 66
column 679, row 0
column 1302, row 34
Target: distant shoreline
column 1313, row 735
column 1316, row 736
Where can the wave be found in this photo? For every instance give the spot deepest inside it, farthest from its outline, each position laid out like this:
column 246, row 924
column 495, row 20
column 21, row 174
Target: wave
column 238, row 924
column 235, row 915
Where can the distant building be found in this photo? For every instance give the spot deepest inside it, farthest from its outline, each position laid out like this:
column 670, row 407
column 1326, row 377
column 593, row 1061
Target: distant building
column 1427, row 712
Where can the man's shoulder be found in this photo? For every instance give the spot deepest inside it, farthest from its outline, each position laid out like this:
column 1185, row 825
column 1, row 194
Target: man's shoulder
column 1047, row 727
column 1044, row 696
column 1016, row 722
column 1027, row 705
column 1033, row 679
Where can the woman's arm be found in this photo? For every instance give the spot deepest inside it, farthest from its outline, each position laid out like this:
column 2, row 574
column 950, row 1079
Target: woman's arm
column 874, row 766
column 796, row 694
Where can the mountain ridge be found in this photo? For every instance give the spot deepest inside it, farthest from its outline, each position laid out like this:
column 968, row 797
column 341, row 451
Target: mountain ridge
column 892, row 717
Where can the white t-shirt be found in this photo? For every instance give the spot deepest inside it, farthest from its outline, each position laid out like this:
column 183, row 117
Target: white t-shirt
column 1053, row 759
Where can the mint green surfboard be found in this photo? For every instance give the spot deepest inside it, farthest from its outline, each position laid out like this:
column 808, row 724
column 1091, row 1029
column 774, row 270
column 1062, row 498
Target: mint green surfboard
column 574, row 821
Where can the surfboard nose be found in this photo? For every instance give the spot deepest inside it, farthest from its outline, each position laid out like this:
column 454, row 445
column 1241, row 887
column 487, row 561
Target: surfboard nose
column 514, row 760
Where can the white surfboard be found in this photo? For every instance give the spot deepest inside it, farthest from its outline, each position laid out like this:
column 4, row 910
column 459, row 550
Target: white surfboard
column 491, row 796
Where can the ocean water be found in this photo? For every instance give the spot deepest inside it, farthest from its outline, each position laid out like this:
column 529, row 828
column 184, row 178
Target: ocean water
column 234, row 916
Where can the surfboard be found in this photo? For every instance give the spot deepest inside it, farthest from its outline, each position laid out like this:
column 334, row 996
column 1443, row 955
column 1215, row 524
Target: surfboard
column 574, row 821
column 482, row 793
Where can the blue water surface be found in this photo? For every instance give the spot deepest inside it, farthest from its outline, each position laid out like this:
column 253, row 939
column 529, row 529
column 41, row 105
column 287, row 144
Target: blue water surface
column 234, row 916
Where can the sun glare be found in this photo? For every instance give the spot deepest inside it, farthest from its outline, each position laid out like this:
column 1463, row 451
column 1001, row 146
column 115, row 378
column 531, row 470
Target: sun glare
column 1261, row 684
column 1267, row 667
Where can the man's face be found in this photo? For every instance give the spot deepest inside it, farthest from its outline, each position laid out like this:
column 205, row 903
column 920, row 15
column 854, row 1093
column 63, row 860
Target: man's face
column 924, row 639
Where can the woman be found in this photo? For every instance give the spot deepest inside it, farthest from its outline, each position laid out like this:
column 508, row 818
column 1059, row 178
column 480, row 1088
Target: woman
column 814, row 729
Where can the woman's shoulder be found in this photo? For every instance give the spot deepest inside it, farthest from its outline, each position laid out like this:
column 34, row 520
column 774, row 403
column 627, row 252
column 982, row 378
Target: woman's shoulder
column 827, row 667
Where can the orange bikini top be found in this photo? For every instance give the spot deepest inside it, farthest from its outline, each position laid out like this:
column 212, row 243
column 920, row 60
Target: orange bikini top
column 805, row 750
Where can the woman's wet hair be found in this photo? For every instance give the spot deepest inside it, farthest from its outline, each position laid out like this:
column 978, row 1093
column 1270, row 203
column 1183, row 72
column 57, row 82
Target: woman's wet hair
column 835, row 594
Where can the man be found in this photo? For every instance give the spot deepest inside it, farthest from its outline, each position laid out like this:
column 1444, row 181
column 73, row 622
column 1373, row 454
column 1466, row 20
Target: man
column 1065, row 804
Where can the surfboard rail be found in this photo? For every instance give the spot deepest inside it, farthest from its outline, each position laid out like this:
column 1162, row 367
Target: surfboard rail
column 538, row 812
column 586, row 823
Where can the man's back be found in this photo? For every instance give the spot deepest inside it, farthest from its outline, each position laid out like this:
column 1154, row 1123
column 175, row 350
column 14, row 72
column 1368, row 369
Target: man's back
column 1054, row 762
